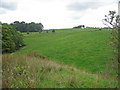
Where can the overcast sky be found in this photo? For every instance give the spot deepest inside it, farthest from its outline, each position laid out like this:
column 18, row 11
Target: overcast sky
column 57, row 13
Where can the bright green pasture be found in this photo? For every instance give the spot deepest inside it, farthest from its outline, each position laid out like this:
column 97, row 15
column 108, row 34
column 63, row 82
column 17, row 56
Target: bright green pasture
column 85, row 49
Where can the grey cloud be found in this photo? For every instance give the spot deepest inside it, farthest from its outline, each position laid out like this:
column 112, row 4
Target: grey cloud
column 2, row 12
column 76, row 17
column 78, row 6
column 9, row 5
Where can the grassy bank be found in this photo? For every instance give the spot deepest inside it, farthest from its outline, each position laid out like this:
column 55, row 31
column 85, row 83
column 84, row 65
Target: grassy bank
column 32, row 71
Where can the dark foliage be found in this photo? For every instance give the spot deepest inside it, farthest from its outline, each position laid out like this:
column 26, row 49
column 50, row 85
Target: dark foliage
column 80, row 26
column 27, row 27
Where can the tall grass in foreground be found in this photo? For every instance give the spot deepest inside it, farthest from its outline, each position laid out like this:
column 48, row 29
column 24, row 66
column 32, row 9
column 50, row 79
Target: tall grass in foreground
column 34, row 71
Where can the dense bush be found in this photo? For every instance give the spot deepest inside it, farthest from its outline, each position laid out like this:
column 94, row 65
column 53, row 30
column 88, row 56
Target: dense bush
column 11, row 38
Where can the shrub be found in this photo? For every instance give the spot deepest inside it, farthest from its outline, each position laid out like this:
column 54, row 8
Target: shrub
column 11, row 39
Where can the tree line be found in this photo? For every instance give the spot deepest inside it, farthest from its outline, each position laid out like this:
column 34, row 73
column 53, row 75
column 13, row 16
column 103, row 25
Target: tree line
column 27, row 27
column 80, row 26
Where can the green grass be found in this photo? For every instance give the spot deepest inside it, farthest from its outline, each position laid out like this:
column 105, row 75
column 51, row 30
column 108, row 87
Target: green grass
column 87, row 49
column 32, row 72
column 68, row 58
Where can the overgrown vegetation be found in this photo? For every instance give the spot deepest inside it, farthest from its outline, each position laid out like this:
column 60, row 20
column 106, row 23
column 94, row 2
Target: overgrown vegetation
column 12, row 39
column 30, row 71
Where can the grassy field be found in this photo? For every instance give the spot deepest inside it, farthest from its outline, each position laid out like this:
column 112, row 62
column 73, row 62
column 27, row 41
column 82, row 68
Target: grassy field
column 88, row 50
column 68, row 58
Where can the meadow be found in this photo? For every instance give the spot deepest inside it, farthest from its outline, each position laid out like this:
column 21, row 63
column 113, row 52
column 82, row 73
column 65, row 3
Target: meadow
column 67, row 58
column 86, row 49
